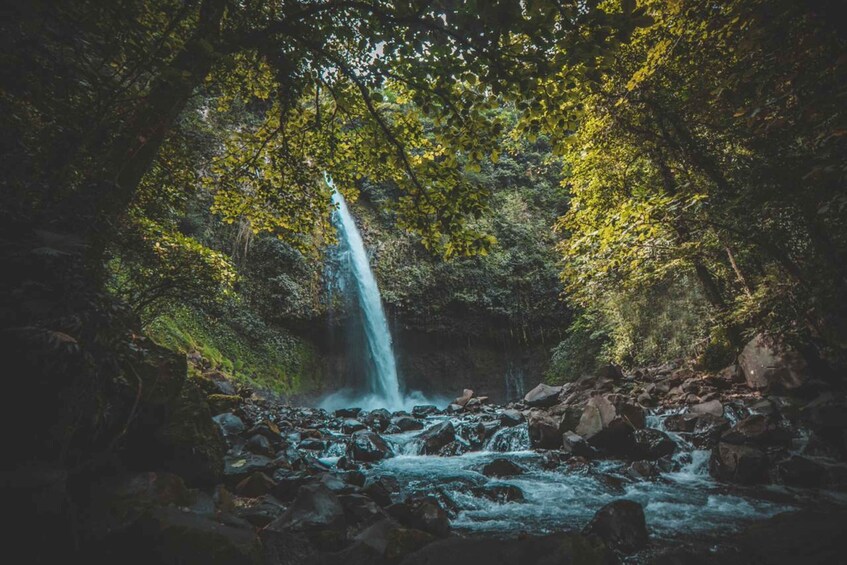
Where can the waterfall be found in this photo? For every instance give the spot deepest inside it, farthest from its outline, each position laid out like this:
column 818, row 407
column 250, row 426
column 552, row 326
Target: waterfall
column 383, row 385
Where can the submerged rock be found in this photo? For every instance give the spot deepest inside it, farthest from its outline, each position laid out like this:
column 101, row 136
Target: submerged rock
column 621, row 525
column 500, row 493
column 502, row 468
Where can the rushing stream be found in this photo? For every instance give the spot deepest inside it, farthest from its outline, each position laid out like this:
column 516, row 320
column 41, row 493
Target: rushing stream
column 558, row 495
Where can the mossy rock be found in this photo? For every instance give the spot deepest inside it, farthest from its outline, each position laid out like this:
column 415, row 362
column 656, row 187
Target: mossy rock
column 220, row 403
column 191, row 443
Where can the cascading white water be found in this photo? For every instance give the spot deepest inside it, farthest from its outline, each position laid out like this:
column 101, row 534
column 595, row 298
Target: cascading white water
column 383, row 384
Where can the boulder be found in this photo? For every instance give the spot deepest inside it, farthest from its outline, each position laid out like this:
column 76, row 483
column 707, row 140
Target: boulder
column 708, row 430
column 424, row 410
column 758, row 429
column 649, row 444
column 347, row 412
column 742, row 464
column 524, row 550
column 173, row 537
column 368, row 446
column 467, row 394
column 436, row 437
column 713, row 407
column 543, row 396
column 239, row 467
column 427, row 514
column 499, row 493
column 316, row 507
column 259, row 445
column 188, row 442
column 511, row 417
column 502, row 468
column 407, row 423
column 378, row 419
column 800, row 472
column 262, row 512
column 544, row 429
column 230, row 424
column 770, row 364
column 220, row 403
column 602, row 426
column 575, row 444
column 621, row 525
column 360, row 510
column 257, row 484
column 351, row 425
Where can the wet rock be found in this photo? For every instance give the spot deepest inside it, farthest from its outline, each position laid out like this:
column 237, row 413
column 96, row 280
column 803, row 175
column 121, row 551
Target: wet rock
column 757, row 429
column 511, row 417
column 378, row 419
column 172, row 536
column 389, row 541
column 230, row 424
column 265, row 510
column 684, row 423
column 800, row 471
column 525, row 550
column 502, row 468
column 602, row 426
column 379, row 492
column 288, row 483
column 407, row 423
column 708, row 430
column 713, row 407
column 350, row 426
column 467, row 394
column 575, row 444
column 424, row 410
column 769, row 364
column 643, row 470
column 436, row 437
column 454, row 449
column 312, row 444
column 367, row 446
column 427, row 514
column 651, row 444
column 544, row 429
column 499, row 493
column 315, row 507
column 543, row 396
column 239, row 467
column 621, row 525
column 360, row 510
column 742, row 464
column 257, row 484
column 259, row 445
column 347, row 412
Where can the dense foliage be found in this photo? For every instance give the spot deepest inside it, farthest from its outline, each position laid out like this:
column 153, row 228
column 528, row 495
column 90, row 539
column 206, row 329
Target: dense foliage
column 711, row 153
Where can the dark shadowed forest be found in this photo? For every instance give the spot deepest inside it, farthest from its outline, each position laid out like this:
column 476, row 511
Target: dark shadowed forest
column 424, row 281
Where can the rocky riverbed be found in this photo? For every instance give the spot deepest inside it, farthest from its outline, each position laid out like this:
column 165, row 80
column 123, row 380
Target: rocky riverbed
column 663, row 465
